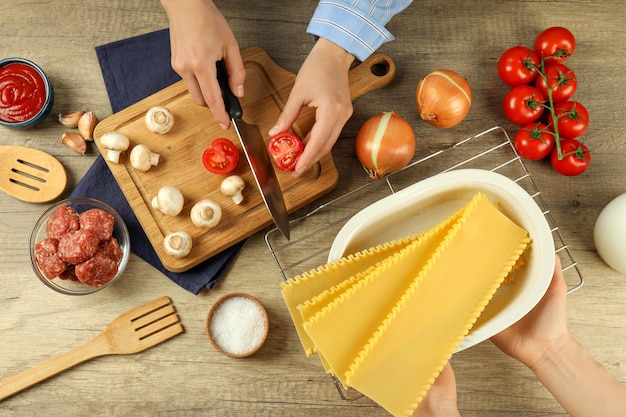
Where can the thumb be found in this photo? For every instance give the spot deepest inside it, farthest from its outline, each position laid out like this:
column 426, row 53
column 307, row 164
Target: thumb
column 288, row 116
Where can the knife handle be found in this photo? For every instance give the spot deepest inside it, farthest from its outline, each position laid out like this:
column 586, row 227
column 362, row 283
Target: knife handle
column 231, row 102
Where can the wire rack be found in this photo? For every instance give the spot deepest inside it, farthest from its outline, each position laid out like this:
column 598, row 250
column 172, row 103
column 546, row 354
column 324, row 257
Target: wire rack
column 313, row 232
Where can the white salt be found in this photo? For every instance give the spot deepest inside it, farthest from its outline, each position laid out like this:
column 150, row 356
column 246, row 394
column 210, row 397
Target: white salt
column 237, row 325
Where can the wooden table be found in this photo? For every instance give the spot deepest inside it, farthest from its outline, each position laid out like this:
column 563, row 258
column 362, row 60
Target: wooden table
column 186, row 376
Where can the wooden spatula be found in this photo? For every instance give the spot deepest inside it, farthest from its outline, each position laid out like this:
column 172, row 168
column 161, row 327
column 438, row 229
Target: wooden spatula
column 131, row 332
column 31, row 175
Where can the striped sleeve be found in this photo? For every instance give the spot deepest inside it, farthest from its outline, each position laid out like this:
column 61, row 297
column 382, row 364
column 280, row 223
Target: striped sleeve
column 358, row 26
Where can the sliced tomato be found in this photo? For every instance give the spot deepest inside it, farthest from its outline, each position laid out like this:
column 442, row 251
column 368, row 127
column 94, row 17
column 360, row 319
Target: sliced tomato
column 285, row 148
column 221, row 157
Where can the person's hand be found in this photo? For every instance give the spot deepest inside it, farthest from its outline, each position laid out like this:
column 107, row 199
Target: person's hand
column 321, row 83
column 542, row 329
column 440, row 400
column 200, row 36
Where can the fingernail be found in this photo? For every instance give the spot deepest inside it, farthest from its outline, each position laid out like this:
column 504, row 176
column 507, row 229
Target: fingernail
column 273, row 131
column 223, row 126
column 239, row 91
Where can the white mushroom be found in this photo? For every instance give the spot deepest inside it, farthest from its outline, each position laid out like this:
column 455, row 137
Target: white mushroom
column 233, row 186
column 159, row 119
column 177, row 244
column 142, row 158
column 169, row 200
column 115, row 143
column 206, row 213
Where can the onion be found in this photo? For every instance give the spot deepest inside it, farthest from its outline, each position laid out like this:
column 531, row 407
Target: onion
column 385, row 143
column 443, row 98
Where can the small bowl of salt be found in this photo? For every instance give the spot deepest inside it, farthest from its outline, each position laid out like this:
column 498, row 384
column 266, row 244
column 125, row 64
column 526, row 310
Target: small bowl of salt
column 237, row 325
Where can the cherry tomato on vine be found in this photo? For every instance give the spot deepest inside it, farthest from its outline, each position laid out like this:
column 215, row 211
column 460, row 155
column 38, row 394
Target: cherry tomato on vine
column 221, row 157
column 523, row 104
column 561, row 80
column 576, row 158
column 572, row 119
column 534, row 141
column 285, row 148
column 518, row 65
column 555, row 44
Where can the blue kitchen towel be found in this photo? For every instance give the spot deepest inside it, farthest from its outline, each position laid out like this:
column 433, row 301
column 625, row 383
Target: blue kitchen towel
column 134, row 69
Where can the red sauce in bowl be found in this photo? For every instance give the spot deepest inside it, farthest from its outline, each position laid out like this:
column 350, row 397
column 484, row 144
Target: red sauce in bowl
column 22, row 92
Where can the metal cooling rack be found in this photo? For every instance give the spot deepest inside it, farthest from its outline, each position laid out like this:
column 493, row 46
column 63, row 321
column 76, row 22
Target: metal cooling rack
column 313, row 232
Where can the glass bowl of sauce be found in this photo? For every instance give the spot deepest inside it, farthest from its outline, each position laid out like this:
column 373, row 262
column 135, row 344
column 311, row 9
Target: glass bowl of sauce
column 26, row 94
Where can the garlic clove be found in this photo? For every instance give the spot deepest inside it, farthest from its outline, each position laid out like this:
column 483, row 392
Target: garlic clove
column 75, row 142
column 70, row 120
column 87, row 124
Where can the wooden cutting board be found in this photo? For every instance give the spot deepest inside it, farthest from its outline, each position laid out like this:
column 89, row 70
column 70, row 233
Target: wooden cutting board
column 267, row 88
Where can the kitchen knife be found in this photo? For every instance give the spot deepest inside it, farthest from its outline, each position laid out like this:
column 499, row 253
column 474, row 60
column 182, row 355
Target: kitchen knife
column 255, row 150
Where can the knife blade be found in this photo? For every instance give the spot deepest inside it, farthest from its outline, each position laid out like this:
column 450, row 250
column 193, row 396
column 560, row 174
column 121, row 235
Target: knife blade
column 255, row 150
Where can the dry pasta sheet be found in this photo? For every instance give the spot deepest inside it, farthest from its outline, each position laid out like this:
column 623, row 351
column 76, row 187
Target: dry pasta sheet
column 386, row 320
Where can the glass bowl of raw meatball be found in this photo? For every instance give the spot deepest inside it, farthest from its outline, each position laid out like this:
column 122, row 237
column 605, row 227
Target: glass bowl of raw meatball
column 79, row 246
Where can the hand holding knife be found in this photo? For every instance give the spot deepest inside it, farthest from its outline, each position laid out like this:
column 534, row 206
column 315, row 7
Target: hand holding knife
column 255, row 150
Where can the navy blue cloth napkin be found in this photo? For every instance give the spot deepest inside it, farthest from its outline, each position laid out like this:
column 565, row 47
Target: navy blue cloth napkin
column 134, row 69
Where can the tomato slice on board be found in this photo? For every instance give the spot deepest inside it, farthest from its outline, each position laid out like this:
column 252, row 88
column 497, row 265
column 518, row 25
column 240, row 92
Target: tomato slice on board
column 221, row 157
column 285, row 148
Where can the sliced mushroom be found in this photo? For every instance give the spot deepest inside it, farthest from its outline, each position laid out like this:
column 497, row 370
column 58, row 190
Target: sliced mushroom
column 169, row 200
column 115, row 143
column 206, row 213
column 159, row 119
column 233, row 186
column 142, row 158
column 177, row 244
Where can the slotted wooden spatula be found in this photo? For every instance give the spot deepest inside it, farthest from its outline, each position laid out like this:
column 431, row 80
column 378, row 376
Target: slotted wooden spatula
column 131, row 332
column 31, row 175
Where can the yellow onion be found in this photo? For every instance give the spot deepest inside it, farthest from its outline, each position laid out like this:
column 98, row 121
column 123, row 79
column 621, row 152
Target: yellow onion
column 385, row 143
column 443, row 98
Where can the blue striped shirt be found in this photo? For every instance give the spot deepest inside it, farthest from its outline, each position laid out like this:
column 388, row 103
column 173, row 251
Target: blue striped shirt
column 358, row 26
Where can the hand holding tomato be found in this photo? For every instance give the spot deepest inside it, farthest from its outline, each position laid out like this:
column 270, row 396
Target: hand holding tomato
column 321, row 84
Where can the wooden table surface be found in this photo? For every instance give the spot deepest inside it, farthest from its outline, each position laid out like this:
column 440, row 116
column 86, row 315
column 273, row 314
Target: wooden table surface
column 186, row 376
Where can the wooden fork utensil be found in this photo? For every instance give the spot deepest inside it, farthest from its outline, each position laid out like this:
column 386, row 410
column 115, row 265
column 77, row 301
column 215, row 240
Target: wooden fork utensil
column 131, row 332
column 31, row 175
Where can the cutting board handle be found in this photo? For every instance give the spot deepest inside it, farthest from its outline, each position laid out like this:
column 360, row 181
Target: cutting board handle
column 375, row 72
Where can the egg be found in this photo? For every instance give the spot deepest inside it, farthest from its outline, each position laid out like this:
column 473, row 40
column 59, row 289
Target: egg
column 610, row 234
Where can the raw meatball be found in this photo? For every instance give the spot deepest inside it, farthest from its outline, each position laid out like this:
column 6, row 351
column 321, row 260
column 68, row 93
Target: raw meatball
column 111, row 248
column 63, row 220
column 98, row 221
column 69, row 274
column 47, row 259
column 76, row 247
column 96, row 271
